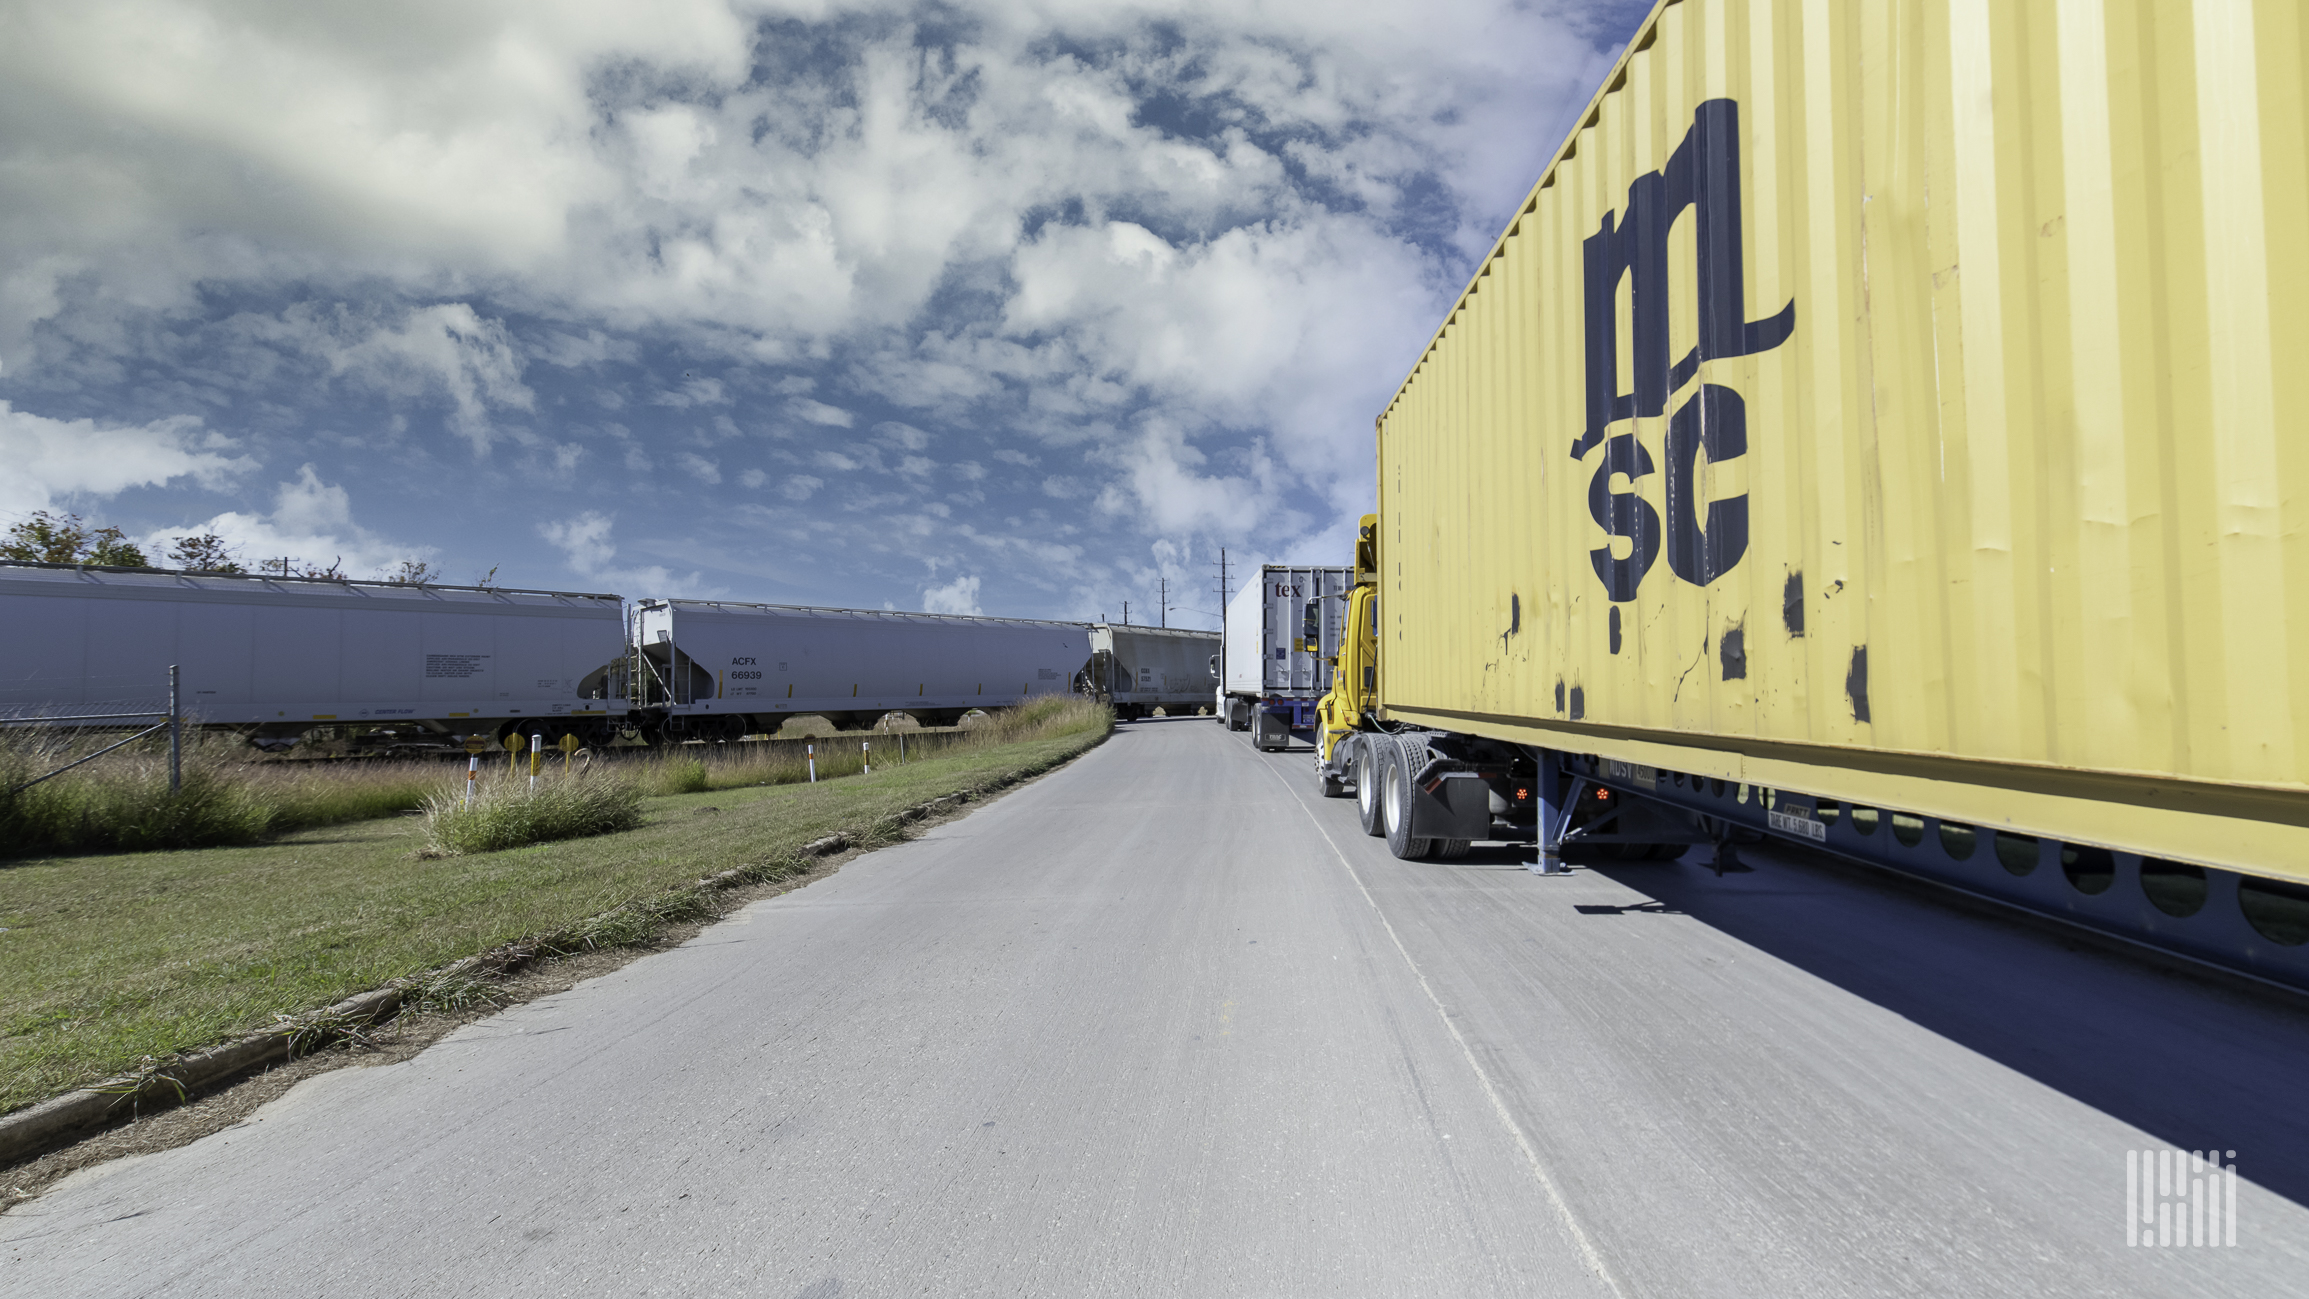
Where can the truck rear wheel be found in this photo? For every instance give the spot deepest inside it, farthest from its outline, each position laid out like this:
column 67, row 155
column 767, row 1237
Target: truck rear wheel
column 1367, row 768
column 1395, row 794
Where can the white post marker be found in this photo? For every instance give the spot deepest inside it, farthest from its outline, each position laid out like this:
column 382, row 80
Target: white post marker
column 536, row 748
column 472, row 773
column 175, row 737
column 812, row 751
column 865, row 759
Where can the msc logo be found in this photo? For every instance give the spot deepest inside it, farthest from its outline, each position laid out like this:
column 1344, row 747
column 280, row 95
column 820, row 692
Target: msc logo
column 1704, row 175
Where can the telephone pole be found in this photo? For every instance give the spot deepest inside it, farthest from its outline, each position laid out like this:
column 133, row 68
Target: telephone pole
column 1163, row 600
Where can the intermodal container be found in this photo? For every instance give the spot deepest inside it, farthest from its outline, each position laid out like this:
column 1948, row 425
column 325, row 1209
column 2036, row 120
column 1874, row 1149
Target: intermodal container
column 1889, row 401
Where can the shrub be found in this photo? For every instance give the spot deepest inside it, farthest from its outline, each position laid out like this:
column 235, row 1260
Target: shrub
column 510, row 814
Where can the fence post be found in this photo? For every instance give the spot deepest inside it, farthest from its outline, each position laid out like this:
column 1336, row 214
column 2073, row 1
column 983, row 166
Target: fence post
column 175, row 738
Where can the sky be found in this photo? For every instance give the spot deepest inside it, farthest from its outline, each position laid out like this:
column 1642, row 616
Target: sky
column 1018, row 308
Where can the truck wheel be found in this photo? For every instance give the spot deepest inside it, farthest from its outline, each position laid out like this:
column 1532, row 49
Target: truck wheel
column 1326, row 784
column 1449, row 848
column 1395, row 800
column 1367, row 768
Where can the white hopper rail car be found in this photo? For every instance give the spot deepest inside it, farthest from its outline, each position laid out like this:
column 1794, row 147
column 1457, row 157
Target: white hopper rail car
column 1140, row 669
column 719, row 670
column 276, row 657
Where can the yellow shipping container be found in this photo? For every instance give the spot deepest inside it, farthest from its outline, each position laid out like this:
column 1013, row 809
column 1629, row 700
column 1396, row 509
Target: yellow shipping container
column 1888, row 401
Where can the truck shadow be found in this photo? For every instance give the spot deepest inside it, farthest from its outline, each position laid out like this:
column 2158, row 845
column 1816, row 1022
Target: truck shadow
column 2196, row 1063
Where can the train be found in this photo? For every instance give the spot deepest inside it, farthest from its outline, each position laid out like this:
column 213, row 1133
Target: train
column 384, row 666
column 1835, row 448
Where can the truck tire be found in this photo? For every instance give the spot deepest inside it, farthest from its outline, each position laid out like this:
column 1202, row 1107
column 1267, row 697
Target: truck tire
column 1326, row 784
column 1449, row 848
column 1395, row 794
column 1367, row 767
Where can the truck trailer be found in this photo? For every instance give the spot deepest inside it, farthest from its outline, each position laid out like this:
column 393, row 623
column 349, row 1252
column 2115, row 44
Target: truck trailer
column 713, row 669
column 1868, row 433
column 1137, row 670
column 385, row 664
column 1282, row 633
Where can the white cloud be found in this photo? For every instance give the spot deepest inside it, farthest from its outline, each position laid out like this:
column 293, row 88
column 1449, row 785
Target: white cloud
column 818, row 412
column 586, row 543
column 800, row 486
column 50, row 461
column 957, row 596
column 753, row 478
column 698, row 467
column 311, row 522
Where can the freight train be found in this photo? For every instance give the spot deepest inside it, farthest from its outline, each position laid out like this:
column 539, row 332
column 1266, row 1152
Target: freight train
column 1838, row 446
column 380, row 665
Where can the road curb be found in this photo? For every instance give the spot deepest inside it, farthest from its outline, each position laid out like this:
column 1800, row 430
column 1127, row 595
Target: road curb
column 62, row 1120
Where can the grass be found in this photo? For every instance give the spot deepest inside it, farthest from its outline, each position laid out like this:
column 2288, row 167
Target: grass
column 108, row 958
column 512, row 814
column 121, row 802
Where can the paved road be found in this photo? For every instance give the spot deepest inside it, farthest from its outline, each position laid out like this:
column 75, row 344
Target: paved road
column 1165, row 1023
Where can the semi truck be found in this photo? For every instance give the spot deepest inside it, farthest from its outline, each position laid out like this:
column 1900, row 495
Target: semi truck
column 1282, row 631
column 1869, row 432
column 1137, row 670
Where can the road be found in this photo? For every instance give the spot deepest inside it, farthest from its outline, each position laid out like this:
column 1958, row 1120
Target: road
column 1166, row 1023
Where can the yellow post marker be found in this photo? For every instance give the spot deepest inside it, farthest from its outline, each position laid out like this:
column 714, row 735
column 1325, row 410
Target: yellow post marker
column 569, row 748
column 512, row 755
column 536, row 747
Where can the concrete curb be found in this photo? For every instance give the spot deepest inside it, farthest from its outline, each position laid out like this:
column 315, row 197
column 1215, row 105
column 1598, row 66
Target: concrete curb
column 61, row 1120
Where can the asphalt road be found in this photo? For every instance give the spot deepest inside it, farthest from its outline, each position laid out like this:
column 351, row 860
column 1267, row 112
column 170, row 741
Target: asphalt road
column 1166, row 1023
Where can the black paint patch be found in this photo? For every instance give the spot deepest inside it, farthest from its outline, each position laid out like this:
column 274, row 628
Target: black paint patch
column 1514, row 613
column 1578, row 703
column 1615, row 629
column 1559, row 694
column 1792, row 604
column 1856, row 684
column 1733, row 649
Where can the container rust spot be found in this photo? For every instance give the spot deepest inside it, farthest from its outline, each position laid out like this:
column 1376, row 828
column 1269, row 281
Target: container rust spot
column 1732, row 650
column 1856, row 683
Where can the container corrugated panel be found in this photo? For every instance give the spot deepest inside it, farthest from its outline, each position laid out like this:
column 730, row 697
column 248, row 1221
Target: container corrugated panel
column 1266, row 656
column 1901, row 401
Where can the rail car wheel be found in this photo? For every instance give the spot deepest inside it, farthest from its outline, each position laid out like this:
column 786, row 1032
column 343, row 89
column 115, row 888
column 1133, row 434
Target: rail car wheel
column 1367, row 768
column 1395, row 800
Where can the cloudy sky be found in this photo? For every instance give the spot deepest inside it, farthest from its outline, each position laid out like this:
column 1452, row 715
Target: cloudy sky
column 1013, row 307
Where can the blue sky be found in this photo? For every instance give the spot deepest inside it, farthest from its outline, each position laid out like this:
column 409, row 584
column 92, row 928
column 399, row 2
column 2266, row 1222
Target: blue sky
column 1012, row 308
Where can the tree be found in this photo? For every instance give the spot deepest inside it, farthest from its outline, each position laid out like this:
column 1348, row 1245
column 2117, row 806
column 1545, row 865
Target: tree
column 335, row 572
column 412, row 572
column 66, row 539
column 205, row 553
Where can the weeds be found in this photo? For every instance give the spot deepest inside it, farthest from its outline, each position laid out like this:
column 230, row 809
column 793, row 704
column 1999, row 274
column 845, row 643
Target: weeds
column 449, row 990
column 510, row 815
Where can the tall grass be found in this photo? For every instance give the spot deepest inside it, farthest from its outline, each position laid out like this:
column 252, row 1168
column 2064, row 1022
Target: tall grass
column 696, row 768
column 121, row 801
column 511, row 814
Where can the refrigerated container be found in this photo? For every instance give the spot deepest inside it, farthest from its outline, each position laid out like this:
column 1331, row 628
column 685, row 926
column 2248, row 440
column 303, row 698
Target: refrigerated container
column 1280, row 632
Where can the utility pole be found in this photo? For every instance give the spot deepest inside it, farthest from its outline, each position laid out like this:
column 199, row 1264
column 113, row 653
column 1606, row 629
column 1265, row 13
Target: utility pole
column 1222, row 604
column 1163, row 600
column 1126, row 613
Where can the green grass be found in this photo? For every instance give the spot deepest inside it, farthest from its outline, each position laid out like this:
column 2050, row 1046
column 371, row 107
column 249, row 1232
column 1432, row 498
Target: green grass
column 105, row 959
column 121, row 801
column 513, row 814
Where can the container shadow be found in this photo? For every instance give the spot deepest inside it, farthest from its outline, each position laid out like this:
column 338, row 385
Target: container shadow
column 2196, row 1062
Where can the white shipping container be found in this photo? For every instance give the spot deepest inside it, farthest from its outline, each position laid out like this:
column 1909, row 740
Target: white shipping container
column 765, row 662
column 1267, row 656
column 282, row 655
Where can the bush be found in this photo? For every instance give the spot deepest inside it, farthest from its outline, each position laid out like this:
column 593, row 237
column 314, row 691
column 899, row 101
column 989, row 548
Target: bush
column 512, row 815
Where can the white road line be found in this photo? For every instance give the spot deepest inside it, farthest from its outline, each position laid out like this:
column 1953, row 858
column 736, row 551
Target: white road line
column 1587, row 1247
